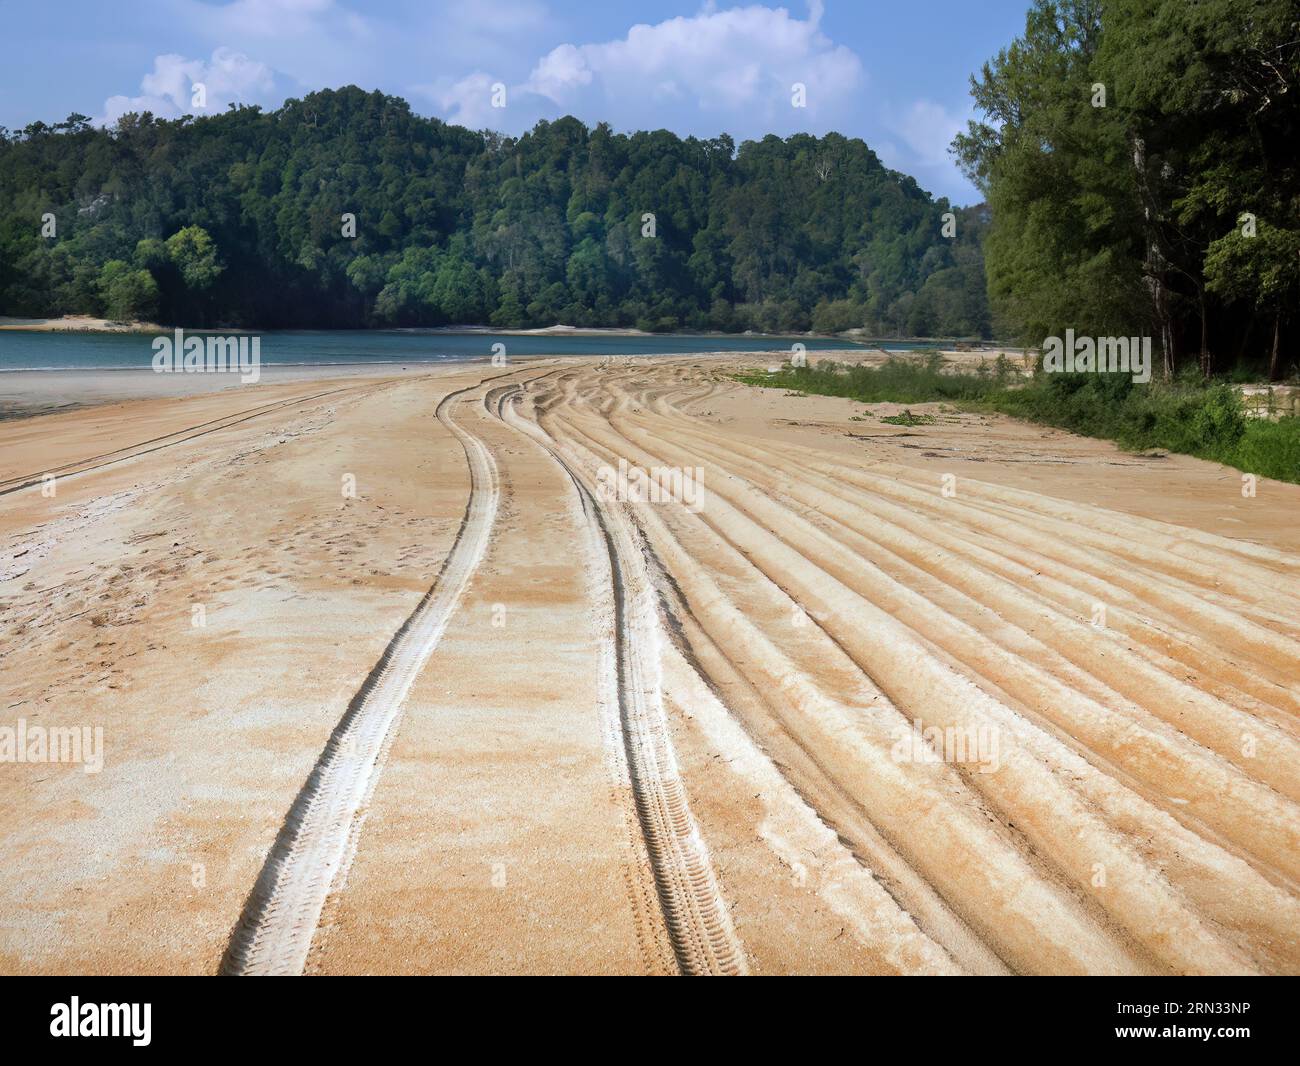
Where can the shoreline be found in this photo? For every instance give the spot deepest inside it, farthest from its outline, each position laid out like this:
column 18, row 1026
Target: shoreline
column 77, row 324
column 34, row 391
column 88, row 324
column 27, row 394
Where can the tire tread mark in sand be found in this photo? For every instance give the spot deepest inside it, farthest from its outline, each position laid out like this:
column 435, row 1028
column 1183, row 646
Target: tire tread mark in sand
column 274, row 934
column 134, row 451
column 699, row 925
column 638, row 878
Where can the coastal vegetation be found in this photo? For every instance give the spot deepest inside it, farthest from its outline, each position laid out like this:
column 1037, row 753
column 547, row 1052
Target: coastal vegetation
column 1139, row 162
column 1140, row 166
column 1186, row 415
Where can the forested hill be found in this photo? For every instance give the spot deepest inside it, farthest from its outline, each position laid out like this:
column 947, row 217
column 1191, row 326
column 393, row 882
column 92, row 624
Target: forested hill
column 239, row 219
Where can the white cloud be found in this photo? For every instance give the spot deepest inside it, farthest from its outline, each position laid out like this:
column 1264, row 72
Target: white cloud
column 740, row 63
column 927, row 128
column 732, row 69
column 330, row 43
column 916, row 143
column 316, row 43
column 168, row 90
column 466, row 101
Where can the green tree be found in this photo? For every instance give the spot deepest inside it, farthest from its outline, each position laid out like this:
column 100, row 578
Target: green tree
column 1263, row 271
column 1119, row 142
column 128, row 295
column 454, row 225
column 194, row 254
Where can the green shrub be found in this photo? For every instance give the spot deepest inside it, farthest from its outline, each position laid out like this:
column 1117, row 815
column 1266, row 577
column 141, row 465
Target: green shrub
column 1188, row 416
column 1270, row 449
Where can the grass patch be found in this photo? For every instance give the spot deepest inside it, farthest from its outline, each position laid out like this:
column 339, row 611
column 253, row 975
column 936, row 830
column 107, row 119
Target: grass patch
column 1207, row 421
column 897, row 380
column 909, row 419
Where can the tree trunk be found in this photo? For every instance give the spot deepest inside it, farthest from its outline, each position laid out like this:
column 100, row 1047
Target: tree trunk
column 1167, row 344
column 1205, row 338
column 1275, row 360
column 1239, row 353
column 1174, row 337
column 1154, row 267
column 1156, row 290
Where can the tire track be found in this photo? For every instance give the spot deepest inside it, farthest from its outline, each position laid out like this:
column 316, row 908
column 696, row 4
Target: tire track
column 1171, row 701
column 1179, row 894
column 200, row 429
column 986, row 859
column 314, row 846
column 699, row 924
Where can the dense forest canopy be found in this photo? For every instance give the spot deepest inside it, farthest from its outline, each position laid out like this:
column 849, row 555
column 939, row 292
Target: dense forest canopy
column 242, row 219
column 1141, row 161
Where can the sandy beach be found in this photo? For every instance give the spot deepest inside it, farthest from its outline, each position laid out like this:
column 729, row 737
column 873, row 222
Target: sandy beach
column 398, row 672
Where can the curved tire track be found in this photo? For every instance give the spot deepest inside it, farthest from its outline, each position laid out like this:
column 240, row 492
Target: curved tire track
column 312, row 851
column 698, row 922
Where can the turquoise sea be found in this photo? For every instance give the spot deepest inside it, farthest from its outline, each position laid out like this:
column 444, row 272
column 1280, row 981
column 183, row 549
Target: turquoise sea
column 21, row 350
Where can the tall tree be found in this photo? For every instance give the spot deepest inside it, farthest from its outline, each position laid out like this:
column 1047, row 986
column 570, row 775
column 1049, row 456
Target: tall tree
column 1128, row 148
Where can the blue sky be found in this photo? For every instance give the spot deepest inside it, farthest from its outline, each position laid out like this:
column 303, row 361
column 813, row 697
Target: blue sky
column 893, row 72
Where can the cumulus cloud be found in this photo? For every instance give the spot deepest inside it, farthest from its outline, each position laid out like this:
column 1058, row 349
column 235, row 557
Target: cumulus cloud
column 467, row 101
column 733, row 68
column 168, row 90
column 319, row 43
column 738, row 61
column 314, row 43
